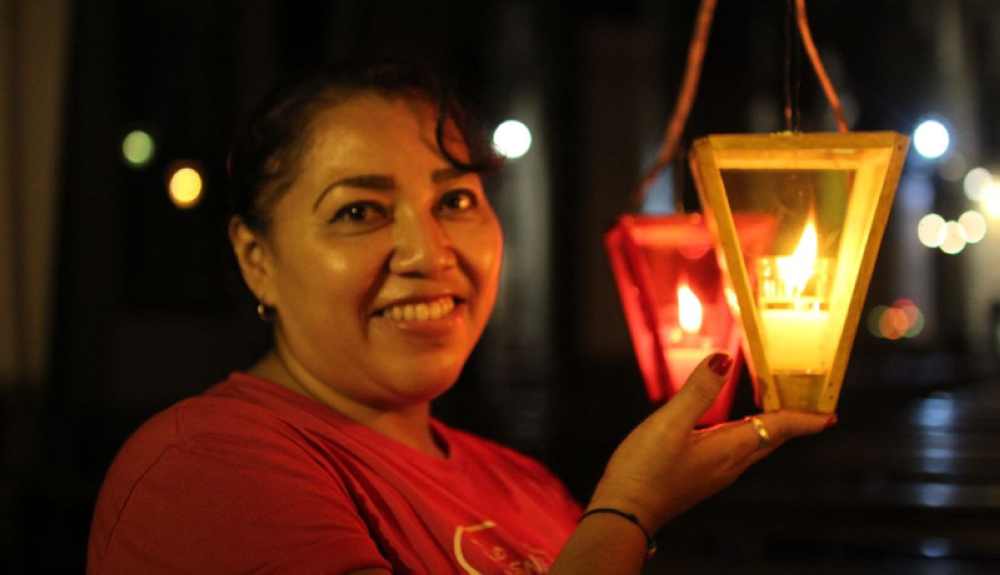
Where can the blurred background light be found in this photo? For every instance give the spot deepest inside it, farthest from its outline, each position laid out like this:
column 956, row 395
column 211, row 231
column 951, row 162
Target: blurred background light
column 902, row 319
column 138, row 148
column 874, row 319
column 512, row 139
column 974, row 225
column 990, row 200
column 931, row 230
column 931, row 139
column 952, row 167
column 185, row 186
column 976, row 182
column 935, row 547
column 955, row 240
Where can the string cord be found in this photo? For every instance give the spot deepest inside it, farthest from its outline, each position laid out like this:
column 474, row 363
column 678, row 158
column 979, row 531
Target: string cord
column 689, row 88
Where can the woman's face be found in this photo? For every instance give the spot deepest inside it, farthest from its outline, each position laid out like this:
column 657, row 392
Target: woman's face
column 382, row 260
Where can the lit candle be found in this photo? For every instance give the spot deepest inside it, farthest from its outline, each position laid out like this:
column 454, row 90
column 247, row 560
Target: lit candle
column 796, row 319
column 686, row 345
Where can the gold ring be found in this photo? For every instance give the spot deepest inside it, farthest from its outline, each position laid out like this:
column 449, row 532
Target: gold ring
column 763, row 436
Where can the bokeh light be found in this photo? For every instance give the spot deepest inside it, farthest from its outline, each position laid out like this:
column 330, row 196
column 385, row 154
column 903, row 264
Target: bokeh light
column 974, row 225
column 955, row 240
column 138, row 148
column 952, row 167
column 185, row 186
column 931, row 230
column 976, row 182
column 931, row 139
column 903, row 319
column 990, row 201
column 512, row 139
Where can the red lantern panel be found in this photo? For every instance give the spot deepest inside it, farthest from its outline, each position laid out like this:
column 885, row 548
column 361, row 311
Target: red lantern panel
column 675, row 303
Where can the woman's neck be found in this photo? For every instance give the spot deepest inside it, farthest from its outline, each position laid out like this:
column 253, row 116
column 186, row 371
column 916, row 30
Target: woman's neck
column 409, row 425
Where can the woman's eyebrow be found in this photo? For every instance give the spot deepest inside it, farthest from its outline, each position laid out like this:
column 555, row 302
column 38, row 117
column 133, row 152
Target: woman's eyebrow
column 446, row 174
column 377, row 182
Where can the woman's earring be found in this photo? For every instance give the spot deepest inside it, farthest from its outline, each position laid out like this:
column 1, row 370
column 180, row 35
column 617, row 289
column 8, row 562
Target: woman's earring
column 265, row 313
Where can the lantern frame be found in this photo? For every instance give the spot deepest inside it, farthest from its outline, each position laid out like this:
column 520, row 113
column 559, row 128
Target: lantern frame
column 875, row 161
column 651, row 255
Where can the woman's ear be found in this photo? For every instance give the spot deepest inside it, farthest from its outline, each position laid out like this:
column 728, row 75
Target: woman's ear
column 254, row 258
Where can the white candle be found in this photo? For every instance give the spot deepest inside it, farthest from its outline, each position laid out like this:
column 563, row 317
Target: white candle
column 796, row 340
column 795, row 320
column 681, row 361
column 686, row 346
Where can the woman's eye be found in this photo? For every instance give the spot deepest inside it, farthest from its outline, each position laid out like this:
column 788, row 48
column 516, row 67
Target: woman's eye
column 459, row 201
column 361, row 213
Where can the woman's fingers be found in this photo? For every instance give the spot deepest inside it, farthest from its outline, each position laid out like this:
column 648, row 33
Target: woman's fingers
column 776, row 427
column 684, row 410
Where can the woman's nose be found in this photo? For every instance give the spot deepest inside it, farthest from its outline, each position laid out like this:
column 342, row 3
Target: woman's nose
column 423, row 246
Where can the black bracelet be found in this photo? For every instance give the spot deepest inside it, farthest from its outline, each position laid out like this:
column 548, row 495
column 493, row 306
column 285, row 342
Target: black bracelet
column 650, row 544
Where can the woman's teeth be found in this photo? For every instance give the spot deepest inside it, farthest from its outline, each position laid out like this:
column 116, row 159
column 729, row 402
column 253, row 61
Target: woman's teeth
column 420, row 311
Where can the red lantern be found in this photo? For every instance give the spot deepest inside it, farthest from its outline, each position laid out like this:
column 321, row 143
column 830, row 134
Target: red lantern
column 675, row 303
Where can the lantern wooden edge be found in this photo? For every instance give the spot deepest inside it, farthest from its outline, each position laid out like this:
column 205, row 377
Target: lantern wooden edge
column 811, row 140
column 880, row 218
column 712, row 193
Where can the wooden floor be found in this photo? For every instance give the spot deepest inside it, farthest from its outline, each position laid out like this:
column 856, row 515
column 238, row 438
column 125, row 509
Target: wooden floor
column 902, row 485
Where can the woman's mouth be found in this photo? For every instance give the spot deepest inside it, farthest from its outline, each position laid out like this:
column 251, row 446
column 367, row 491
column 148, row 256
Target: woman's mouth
column 419, row 311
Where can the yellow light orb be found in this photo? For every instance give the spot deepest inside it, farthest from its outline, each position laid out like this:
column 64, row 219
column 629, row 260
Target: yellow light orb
column 185, row 187
column 990, row 201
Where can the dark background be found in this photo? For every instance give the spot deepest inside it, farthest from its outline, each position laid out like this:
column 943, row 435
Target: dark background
column 146, row 309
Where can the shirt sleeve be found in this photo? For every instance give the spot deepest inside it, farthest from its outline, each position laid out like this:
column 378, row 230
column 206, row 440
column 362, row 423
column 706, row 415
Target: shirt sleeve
column 250, row 503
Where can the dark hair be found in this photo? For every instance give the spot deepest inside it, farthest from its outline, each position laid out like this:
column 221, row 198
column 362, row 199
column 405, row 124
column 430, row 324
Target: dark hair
column 264, row 157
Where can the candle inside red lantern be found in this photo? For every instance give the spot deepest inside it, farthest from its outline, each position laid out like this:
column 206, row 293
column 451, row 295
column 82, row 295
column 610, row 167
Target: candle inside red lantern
column 686, row 345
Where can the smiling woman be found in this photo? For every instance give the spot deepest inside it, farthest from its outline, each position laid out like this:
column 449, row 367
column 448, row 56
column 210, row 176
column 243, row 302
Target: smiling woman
column 361, row 226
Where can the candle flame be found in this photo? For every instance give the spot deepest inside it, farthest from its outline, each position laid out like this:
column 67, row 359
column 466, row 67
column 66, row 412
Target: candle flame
column 689, row 309
column 796, row 269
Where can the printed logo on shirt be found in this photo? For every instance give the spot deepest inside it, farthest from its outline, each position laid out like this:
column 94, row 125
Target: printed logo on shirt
column 479, row 551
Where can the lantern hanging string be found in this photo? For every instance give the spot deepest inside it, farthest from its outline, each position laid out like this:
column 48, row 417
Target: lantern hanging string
column 793, row 76
column 824, row 80
column 689, row 88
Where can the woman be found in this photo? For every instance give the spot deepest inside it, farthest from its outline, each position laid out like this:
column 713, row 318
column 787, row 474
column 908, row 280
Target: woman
column 362, row 228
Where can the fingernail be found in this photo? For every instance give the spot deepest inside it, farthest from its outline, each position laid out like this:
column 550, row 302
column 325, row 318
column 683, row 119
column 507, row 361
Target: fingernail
column 830, row 422
column 720, row 364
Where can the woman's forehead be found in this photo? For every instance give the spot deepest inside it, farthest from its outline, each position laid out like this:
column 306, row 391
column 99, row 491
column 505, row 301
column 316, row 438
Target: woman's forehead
column 380, row 123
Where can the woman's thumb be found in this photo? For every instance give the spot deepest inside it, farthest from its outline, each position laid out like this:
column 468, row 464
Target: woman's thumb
column 699, row 391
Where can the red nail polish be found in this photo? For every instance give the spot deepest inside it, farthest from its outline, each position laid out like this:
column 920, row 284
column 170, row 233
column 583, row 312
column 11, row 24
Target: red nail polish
column 831, row 422
column 720, row 364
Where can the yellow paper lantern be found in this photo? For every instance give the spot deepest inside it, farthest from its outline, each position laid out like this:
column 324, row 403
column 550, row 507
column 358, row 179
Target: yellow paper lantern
column 799, row 304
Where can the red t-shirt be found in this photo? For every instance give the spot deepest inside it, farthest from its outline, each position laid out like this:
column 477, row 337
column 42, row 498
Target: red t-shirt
column 253, row 478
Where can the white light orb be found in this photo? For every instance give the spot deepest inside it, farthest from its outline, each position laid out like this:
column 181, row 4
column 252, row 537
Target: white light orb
column 931, row 230
column 955, row 239
column 512, row 139
column 976, row 182
column 975, row 226
column 931, row 139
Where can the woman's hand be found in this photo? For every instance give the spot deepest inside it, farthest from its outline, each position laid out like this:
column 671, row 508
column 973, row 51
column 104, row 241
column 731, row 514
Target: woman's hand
column 665, row 467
